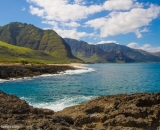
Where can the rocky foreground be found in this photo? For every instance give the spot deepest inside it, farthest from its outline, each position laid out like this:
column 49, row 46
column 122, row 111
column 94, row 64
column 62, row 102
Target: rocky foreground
column 19, row 71
column 119, row 112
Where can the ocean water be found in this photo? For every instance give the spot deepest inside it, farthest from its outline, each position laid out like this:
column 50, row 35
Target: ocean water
column 74, row 87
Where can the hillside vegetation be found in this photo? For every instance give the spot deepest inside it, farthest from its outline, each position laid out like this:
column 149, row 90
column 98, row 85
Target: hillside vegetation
column 16, row 54
column 29, row 36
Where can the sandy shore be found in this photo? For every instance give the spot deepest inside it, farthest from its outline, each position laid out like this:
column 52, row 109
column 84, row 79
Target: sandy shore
column 71, row 64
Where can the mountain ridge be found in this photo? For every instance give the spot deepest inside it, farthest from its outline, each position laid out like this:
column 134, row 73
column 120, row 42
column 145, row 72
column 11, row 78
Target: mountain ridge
column 134, row 54
column 156, row 54
column 70, row 50
column 84, row 51
column 29, row 36
column 112, row 52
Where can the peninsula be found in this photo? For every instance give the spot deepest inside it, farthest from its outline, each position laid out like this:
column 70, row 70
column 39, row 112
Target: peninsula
column 8, row 71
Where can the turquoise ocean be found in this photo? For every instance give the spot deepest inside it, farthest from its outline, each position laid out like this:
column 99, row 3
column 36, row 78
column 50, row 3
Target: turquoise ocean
column 74, row 87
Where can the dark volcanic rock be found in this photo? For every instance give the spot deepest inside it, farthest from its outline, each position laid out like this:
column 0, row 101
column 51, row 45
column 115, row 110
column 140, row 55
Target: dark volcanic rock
column 18, row 71
column 16, row 112
column 119, row 112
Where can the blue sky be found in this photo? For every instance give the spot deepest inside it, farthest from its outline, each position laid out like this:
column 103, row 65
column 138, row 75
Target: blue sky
column 135, row 23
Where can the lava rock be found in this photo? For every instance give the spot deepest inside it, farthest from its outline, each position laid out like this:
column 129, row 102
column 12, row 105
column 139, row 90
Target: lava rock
column 117, row 112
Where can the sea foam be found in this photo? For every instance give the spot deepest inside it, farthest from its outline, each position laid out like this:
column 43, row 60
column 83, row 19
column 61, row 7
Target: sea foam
column 62, row 103
column 3, row 80
column 15, row 79
column 78, row 70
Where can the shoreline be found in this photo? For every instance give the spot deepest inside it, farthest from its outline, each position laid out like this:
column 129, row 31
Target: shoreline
column 140, row 111
column 9, row 71
column 19, row 64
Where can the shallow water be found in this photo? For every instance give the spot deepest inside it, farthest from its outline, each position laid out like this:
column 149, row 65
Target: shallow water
column 74, row 87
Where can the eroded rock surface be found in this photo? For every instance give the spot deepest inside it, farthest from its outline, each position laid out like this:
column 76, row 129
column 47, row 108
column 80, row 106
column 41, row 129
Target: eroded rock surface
column 16, row 112
column 119, row 112
column 137, row 111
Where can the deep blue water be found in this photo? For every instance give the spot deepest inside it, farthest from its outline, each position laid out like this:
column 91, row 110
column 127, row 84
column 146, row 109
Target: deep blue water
column 59, row 91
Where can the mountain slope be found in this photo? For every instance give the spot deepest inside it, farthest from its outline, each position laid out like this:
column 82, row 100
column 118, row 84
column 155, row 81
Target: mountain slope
column 156, row 54
column 109, row 52
column 108, row 47
column 85, row 51
column 27, row 35
column 134, row 54
column 10, row 54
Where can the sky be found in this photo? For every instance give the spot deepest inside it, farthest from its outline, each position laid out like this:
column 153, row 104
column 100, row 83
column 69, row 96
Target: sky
column 134, row 23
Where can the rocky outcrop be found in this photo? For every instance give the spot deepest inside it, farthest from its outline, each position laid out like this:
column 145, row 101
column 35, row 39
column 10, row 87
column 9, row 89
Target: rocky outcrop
column 19, row 71
column 17, row 113
column 119, row 112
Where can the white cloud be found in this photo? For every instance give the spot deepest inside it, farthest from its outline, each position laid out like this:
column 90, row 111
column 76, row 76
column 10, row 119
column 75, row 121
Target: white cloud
column 62, row 10
column 63, row 15
column 72, row 33
column 72, row 24
column 97, row 23
column 145, row 47
column 53, row 23
column 122, row 16
column 118, row 4
column 121, row 4
column 125, row 22
column 37, row 11
column 133, row 45
column 68, row 33
column 82, row 2
column 106, row 42
column 23, row 8
column 138, row 32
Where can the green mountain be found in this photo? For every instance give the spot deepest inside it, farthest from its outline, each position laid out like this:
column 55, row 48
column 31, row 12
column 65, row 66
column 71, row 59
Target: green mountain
column 109, row 52
column 48, row 41
column 46, row 46
column 86, row 52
